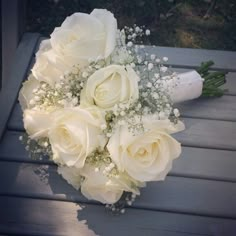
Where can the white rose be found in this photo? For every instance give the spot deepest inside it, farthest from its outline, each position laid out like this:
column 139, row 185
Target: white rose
column 74, row 134
column 37, row 123
column 109, row 86
column 147, row 156
column 108, row 190
column 83, row 37
column 49, row 67
column 71, row 175
column 44, row 46
column 26, row 92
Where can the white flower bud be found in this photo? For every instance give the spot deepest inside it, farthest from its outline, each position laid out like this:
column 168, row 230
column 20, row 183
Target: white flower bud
column 164, row 68
column 84, row 74
column 150, row 66
column 147, row 32
column 137, row 29
column 129, row 44
column 165, row 58
column 176, row 112
column 153, row 56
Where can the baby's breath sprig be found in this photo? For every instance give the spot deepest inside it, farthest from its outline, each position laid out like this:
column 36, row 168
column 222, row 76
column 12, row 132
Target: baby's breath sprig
column 136, row 34
column 127, row 199
column 174, row 115
column 153, row 88
column 101, row 161
column 99, row 157
column 38, row 150
column 126, row 113
column 121, row 55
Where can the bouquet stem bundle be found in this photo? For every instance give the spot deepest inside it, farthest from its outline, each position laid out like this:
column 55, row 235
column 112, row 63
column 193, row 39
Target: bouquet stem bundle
column 212, row 80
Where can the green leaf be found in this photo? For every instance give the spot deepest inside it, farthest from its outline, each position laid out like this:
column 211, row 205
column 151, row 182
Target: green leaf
column 213, row 80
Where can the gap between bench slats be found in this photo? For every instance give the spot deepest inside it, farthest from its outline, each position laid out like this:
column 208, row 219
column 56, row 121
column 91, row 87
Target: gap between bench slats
column 198, row 133
column 193, row 162
column 176, row 194
column 208, row 134
column 43, row 217
column 223, row 108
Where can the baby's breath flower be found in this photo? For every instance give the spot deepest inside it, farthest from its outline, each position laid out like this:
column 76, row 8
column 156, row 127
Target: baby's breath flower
column 153, row 56
column 165, row 59
column 150, row 66
column 147, row 32
column 163, row 68
column 176, row 112
column 129, row 44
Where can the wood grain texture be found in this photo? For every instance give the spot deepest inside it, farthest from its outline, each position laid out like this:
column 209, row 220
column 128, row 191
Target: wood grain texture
column 43, row 217
column 193, row 162
column 176, row 194
column 192, row 58
column 20, row 65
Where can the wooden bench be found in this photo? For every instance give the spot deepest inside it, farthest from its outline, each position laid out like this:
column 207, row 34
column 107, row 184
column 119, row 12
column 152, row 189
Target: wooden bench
column 197, row 198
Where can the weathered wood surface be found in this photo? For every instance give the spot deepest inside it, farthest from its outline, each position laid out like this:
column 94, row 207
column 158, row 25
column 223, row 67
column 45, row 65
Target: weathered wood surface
column 197, row 197
column 192, row 58
column 47, row 217
column 12, row 26
column 18, row 72
column 178, row 194
column 202, row 108
column 198, row 132
column 190, row 164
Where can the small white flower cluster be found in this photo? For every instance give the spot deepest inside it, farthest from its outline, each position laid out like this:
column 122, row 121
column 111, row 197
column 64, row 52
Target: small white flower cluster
column 104, row 110
column 38, row 150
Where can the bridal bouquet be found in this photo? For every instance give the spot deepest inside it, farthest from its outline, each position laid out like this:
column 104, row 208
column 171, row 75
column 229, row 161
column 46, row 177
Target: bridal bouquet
column 102, row 109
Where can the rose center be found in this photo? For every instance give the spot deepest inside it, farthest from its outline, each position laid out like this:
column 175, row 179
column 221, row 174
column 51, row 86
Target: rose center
column 109, row 89
column 141, row 152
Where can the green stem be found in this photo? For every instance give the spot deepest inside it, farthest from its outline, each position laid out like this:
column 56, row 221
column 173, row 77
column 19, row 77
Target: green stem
column 212, row 80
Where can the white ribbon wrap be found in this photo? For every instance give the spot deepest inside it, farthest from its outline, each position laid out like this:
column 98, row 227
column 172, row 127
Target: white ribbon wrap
column 186, row 86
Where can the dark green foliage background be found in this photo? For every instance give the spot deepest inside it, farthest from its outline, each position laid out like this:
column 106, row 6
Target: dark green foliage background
column 180, row 23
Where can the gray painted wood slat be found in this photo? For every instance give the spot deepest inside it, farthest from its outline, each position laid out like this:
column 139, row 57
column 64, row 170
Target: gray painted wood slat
column 192, row 58
column 230, row 84
column 175, row 194
column 43, row 217
column 223, row 108
column 19, row 67
column 199, row 132
column 193, row 162
column 12, row 27
column 206, row 108
column 208, row 134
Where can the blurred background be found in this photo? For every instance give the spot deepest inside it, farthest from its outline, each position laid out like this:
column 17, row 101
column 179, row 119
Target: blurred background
column 209, row 24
